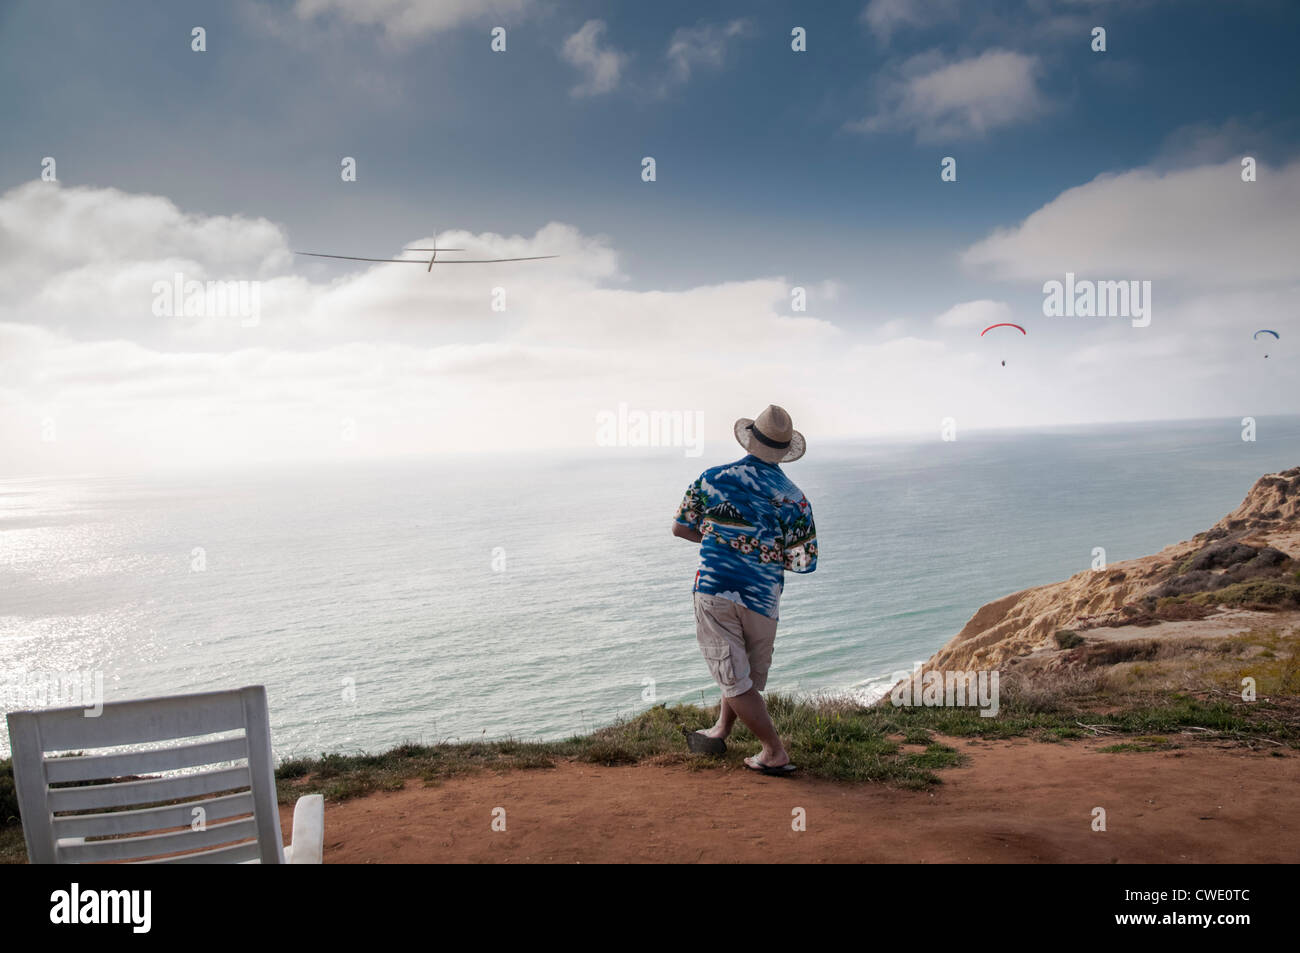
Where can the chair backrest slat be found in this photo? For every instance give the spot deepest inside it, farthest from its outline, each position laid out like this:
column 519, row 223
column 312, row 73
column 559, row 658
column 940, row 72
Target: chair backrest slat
column 153, row 818
column 237, row 854
column 130, row 848
column 151, row 791
column 142, row 722
column 125, row 764
column 48, row 785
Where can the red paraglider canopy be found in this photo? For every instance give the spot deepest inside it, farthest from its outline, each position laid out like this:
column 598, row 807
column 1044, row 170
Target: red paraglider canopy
column 1004, row 324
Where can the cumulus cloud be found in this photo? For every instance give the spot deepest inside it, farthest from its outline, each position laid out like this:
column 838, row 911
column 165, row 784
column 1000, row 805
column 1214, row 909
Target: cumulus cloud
column 974, row 314
column 1200, row 226
column 412, row 19
column 886, row 16
column 941, row 100
column 1210, row 143
column 46, row 228
column 601, row 65
column 703, row 46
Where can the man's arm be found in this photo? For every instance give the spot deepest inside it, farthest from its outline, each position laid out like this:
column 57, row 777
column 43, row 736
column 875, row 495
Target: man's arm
column 690, row 513
column 800, row 538
column 686, row 532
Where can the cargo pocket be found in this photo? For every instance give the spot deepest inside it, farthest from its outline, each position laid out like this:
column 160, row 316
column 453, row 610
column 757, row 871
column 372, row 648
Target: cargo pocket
column 717, row 655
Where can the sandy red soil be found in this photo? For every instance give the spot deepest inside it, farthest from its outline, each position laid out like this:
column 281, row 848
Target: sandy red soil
column 1017, row 801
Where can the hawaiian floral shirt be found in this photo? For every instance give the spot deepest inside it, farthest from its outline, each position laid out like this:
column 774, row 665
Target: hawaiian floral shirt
column 756, row 525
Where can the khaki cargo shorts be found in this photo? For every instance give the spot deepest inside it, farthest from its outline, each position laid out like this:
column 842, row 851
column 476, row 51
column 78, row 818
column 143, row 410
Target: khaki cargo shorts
column 736, row 643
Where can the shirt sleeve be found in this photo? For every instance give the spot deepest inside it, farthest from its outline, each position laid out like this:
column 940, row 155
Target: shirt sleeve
column 690, row 511
column 800, row 538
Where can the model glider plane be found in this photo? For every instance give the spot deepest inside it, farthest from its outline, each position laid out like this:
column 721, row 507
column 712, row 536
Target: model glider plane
column 432, row 260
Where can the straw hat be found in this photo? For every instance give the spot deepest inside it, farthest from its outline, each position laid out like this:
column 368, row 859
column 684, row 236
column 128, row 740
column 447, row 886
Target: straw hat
column 771, row 437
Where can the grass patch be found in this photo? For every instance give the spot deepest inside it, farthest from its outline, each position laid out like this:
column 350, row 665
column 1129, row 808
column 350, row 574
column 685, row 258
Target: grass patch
column 8, row 795
column 935, row 757
column 1068, row 639
column 830, row 738
column 13, row 848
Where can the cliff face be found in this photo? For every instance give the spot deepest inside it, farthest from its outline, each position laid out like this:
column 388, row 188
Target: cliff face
column 1246, row 560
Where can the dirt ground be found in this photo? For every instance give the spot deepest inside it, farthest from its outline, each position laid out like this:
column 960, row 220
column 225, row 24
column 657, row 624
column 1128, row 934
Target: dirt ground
column 1017, row 801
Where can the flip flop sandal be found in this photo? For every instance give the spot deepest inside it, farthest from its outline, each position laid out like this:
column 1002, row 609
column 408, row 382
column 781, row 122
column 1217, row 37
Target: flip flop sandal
column 700, row 743
column 779, row 771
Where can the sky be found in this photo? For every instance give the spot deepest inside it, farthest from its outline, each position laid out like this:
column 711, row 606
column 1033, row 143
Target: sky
column 799, row 243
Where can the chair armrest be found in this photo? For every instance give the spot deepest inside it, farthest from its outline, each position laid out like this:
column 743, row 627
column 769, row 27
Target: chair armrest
column 308, row 841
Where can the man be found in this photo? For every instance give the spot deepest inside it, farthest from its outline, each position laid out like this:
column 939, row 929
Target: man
column 752, row 525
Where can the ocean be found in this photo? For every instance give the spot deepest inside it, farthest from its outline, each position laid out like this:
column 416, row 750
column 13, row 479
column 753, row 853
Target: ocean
column 542, row 595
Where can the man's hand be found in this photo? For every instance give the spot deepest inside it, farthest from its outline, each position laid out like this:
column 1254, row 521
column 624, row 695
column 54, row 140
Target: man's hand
column 685, row 532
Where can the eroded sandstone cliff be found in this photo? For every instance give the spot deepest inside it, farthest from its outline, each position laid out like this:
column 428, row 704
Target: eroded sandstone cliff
column 1250, row 559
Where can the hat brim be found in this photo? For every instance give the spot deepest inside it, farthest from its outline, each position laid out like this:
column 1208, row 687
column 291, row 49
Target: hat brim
column 745, row 437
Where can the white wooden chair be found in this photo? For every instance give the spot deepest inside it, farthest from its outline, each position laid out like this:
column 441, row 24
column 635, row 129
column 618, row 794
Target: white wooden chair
column 79, row 809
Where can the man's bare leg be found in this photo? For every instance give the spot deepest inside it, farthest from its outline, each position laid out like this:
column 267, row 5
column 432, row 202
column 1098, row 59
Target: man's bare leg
column 751, row 709
column 726, row 721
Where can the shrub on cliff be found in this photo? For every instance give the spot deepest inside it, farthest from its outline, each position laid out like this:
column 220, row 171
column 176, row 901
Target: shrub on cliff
column 1257, row 594
column 8, row 795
